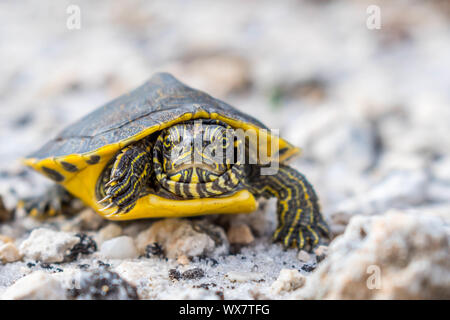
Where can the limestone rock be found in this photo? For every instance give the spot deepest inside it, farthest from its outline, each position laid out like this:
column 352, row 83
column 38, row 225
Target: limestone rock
column 288, row 280
column 36, row 286
column 119, row 248
column 184, row 237
column 47, row 245
column 397, row 255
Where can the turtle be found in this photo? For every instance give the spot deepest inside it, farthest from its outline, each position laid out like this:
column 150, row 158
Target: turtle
column 168, row 150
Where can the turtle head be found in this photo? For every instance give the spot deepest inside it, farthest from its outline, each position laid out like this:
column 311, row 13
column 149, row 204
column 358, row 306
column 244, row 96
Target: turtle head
column 196, row 151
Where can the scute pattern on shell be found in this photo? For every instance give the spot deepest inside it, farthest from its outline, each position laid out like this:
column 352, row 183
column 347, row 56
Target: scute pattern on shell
column 161, row 99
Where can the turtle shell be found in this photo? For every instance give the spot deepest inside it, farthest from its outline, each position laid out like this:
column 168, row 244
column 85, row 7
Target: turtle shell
column 76, row 157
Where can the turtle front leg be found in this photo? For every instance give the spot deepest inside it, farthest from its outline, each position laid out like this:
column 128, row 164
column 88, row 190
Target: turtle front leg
column 55, row 200
column 129, row 176
column 300, row 223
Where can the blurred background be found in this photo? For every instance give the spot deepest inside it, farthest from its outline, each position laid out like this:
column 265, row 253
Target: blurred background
column 369, row 107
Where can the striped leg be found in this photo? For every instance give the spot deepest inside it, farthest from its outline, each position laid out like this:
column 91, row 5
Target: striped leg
column 300, row 223
column 56, row 200
column 129, row 176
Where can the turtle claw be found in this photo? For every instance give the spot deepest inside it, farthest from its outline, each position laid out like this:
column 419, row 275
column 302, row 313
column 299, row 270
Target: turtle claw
column 107, row 207
column 110, row 182
column 104, row 199
column 114, row 213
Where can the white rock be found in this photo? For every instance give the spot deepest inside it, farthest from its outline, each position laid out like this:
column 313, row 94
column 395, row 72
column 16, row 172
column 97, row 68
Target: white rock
column 398, row 255
column 288, row 280
column 47, row 245
column 8, row 252
column 241, row 276
column 119, row 248
column 36, row 286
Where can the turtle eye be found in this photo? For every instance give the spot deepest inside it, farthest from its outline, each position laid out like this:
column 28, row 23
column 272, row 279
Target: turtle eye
column 167, row 143
column 225, row 142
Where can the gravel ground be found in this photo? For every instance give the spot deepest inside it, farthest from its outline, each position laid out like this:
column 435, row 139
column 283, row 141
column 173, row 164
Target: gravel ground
column 370, row 108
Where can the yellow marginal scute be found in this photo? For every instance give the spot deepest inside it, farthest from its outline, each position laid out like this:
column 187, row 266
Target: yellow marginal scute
column 82, row 183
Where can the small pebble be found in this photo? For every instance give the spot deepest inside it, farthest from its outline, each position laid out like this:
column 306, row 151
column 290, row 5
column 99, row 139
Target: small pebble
column 303, row 256
column 9, row 252
column 183, row 260
column 119, row 248
column 240, row 234
column 238, row 276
